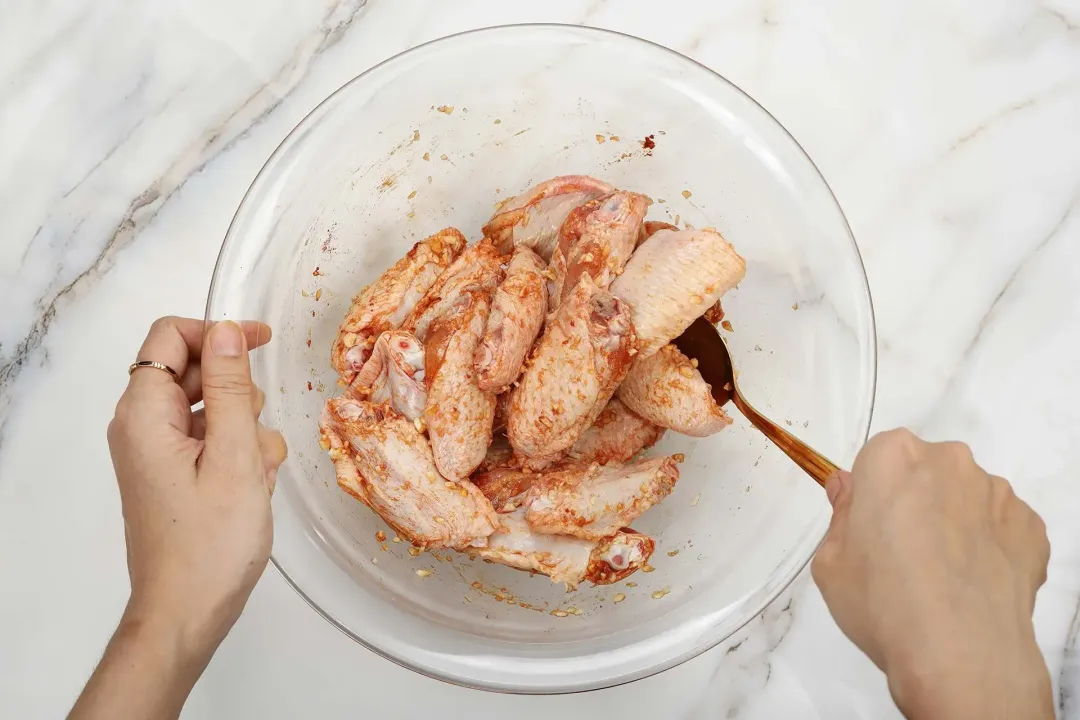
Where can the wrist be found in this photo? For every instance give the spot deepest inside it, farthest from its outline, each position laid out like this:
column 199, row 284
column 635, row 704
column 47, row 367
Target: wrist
column 175, row 640
column 1006, row 681
column 148, row 669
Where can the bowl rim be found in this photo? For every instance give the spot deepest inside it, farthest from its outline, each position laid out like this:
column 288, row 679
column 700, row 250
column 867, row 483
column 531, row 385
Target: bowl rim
column 795, row 571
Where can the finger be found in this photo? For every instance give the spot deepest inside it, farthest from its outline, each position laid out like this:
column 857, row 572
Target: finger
column 232, row 445
column 1042, row 548
column 194, row 333
column 166, row 343
column 256, row 334
column 838, row 489
column 177, row 342
column 1023, row 531
column 273, row 448
column 191, row 382
column 274, row 452
column 198, row 418
column 957, row 456
column 1036, row 546
column 258, row 401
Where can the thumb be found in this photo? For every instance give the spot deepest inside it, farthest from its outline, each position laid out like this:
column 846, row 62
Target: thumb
column 231, row 428
column 838, row 488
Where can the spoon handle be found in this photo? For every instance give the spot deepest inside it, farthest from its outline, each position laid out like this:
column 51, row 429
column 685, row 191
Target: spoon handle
column 814, row 463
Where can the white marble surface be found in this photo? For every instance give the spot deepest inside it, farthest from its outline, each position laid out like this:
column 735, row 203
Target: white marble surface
column 129, row 132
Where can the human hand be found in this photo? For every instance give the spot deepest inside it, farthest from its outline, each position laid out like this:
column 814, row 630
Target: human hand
column 195, row 486
column 931, row 566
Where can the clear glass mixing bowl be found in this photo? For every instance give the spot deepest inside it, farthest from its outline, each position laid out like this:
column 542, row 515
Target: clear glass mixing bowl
column 435, row 137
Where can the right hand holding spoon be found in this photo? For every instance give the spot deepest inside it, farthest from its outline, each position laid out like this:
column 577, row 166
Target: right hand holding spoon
column 931, row 566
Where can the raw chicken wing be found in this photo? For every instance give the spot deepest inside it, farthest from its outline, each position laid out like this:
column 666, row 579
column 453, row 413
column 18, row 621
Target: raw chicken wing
column 348, row 477
column 479, row 266
column 617, row 435
column 651, row 227
column 394, row 373
column 584, row 354
column 667, row 389
column 596, row 239
column 459, row 415
column 596, row 501
column 517, row 312
column 499, row 455
column 672, row 279
column 504, row 486
column 565, row 559
column 502, row 413
column 394, row 473
column 383, row 304
column 534, row 217
column 715, row 313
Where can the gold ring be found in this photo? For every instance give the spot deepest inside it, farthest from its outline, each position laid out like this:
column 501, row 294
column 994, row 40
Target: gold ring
column 156, row 365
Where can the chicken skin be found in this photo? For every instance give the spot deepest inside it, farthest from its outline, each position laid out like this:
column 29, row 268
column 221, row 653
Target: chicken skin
column 499, row 455
column 596, row 239
column 672, row 279
column 480, row 265
column 395, row 374
column 566, row 559
column 715, row 313
column 384, row 304
column 384, row 461
column 595, row 501
column 500, row 394
column 617, row 435
column 666, row 389
column 517, row 313
column 459, row 415
column 502, row 412
column 504, row 485
column 651, row 227
column 533, row 218
column 584, row 354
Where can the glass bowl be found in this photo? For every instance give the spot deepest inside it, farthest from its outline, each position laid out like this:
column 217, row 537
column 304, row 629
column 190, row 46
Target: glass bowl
column 437, row 136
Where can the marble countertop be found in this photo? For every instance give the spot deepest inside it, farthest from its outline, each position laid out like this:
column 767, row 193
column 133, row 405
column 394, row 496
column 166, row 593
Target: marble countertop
column 130, row 131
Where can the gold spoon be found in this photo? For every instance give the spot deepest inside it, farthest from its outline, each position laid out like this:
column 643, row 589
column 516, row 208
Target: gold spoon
column 703, row 343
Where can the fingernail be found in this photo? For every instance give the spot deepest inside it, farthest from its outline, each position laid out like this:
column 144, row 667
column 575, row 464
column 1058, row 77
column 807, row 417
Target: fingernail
column 226, row 339
column 832, row 487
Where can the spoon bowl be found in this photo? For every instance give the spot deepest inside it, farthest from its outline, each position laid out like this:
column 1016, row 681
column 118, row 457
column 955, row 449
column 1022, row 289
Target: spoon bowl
column 704, row 343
